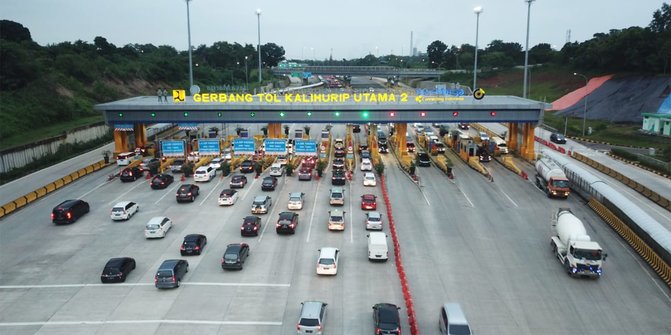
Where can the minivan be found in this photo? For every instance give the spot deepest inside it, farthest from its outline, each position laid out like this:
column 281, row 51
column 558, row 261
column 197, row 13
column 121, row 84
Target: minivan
column 377, row 247
column 171, row 273
column 327, row 263
column 124, row 210
column 453, row 321
column 69, row 211
column 204, row 173
column 312, row 317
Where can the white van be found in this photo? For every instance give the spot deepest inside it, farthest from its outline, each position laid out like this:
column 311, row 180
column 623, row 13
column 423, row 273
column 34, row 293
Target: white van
column 453, row 321
column 204, row 173
column 500, row 145
column 276, row 170
column 327, row 263
column 125, row 158
column 377, row 247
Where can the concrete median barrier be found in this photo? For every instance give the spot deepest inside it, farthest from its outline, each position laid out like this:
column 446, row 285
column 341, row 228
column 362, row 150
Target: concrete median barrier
column 58, row 184
column 30, row 197
column 20, row 202
column 9, row 207
column 42, row 191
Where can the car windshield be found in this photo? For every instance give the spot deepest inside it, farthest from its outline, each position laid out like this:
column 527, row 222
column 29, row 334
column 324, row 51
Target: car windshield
column 370, row 177
column 336, row 195
column 295, row 199
column 336, row 218
column 560, row 183
column 309, row 322
column 258, row 203
column 237, row 178
column 591, row 255
column 157, row 181
column 326, row 261
column 152, row 226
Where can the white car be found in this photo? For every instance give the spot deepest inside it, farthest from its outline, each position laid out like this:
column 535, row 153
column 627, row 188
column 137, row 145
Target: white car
column 227, row 154
column 369, row 179
column 124, row 210
column 373, row 221
column 227, row 197
column 366, row 165
column 216, row 162
column 336, row 220
column 157, row 227
column 282, row 160
column 276, row 170
column 483, row 136
column 327, row 263
column 204, row 173
column 193, row 157
column 295, row 200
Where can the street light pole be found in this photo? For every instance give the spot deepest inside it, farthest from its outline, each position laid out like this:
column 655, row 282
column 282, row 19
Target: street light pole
column 477, row 11
column 526, row 52
column 584, row 110
column 258, row 15
column 188, row 29
column 246, row 77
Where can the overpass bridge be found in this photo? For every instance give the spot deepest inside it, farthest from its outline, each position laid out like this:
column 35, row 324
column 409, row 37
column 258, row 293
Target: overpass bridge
column 381, row 71
column 400, row 108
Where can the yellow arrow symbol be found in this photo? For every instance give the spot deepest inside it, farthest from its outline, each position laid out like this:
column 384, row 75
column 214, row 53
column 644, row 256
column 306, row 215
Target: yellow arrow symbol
column 419, row 98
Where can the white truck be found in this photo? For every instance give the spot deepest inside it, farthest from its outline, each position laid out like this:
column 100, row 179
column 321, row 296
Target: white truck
column 576, row 251
column 551, row 179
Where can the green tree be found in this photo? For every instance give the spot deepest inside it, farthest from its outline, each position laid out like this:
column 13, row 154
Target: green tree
column 272, row 54
column 435, row 51
column 14, row 31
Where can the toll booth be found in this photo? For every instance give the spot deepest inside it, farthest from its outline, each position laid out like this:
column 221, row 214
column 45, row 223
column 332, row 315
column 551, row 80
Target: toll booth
column 466, row 147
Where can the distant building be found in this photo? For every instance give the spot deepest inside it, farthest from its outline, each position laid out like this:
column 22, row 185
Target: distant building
column 659, row 123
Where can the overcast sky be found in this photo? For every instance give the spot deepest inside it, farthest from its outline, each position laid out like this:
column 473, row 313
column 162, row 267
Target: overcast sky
column 307, row 29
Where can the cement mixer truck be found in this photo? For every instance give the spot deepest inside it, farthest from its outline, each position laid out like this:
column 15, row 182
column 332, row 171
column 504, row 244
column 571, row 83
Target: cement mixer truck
column 551, row 179
column 576, row 251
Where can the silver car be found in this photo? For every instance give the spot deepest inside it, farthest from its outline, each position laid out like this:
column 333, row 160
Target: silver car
column 312, row 318
column 373, row 221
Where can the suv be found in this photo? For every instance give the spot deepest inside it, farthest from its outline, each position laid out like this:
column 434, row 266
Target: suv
column 117, row 269
column 337, row 196
column 124, row 210
column 235, row 256
column 247, row 166
column 171, row 273
column 205, row 173
column 558, row 138
column 269, row 184
column 386, row 318
column 338, row 177
column 131, row 173
column 161, row 181
column 187, row 192
column 287, row 223
column 261, row 204
column 69, row 211
column 238, row 181
column 312, row 317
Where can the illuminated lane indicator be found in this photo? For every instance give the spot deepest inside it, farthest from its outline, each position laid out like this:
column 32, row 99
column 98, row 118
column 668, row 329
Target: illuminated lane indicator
column 178, row 95
column 479, row 94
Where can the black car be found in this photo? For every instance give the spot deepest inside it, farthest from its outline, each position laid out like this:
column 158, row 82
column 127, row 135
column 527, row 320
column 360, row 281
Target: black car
column 238, row 181
column 338, row 177
column 382, row 148
column 338, row 163
column 247, row 166
column 287, row 223
column 463, row 126
column 339, row 153
column 269, row 184
column 235, row 256
column 170, row 273
column 251, row 225
column 356, row 128
column 364, row 154
column 161, row 181
column 558, row 138
column 483, row 154
column 386, row 318
column 193, row 244
column 131, row 173
column 117, row 269
column 423, row 159
column 69, row 211
column 362, row 147
column 187, row 192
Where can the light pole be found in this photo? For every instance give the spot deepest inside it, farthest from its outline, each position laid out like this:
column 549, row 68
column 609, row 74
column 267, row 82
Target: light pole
column 526, row 52
column 258, row 16
column 477, row 11
column 246, row 77
column 188, row 29
column 584, row 110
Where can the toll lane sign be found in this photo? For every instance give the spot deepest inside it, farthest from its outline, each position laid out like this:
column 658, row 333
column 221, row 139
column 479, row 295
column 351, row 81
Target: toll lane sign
column 209, row 147
column 243, row 146
column 305, row 148
column 275, row 147
column 173, row 148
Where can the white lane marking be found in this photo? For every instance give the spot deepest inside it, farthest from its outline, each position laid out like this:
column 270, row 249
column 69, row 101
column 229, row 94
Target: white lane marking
column 172, row 190
column 312, row 215
column 465, row 196
column 209, row 194
column 5, row 287
column 104, row 322
column 509, row 198
column 270, row 215
column 124, row 193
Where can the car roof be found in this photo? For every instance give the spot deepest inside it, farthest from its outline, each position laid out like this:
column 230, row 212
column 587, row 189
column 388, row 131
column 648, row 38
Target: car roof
column 228, row 191
column 121, row 204
column 369, row 196
column 368, row 174
column 336, row 190
column 387, row 313
column 192, row 237
column 455, row 313
column 233, row 247
column 203, row 168
column 260, row 198
column 168, row 264
column 251, row 217
column 374, row 214
column 327, row 251
column 295, row 194
column 287, row 215
column 156, row 219
column 185, row 186
column 114, row 262
column 311, row 309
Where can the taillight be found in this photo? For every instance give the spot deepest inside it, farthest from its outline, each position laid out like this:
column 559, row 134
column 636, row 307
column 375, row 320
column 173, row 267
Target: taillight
column 181, row 247
column 155, row 279
column 298, row 327
column 378, row 331
column 69, row 215
column 174, row 280
column 255, row 228
column 292, row 225
column 197, row 247
column 277, row 225
column 188, row 193
column 222, row 260
column 319, row 328
column 242, row 228
column 52, row 216
column 130, row 174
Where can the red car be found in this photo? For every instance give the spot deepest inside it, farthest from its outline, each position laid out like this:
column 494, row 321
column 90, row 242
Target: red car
column 309, row 162
column 368, row 202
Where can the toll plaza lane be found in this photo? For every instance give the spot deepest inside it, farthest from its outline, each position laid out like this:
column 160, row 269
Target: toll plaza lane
column 494, row 259
column 51, row 274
